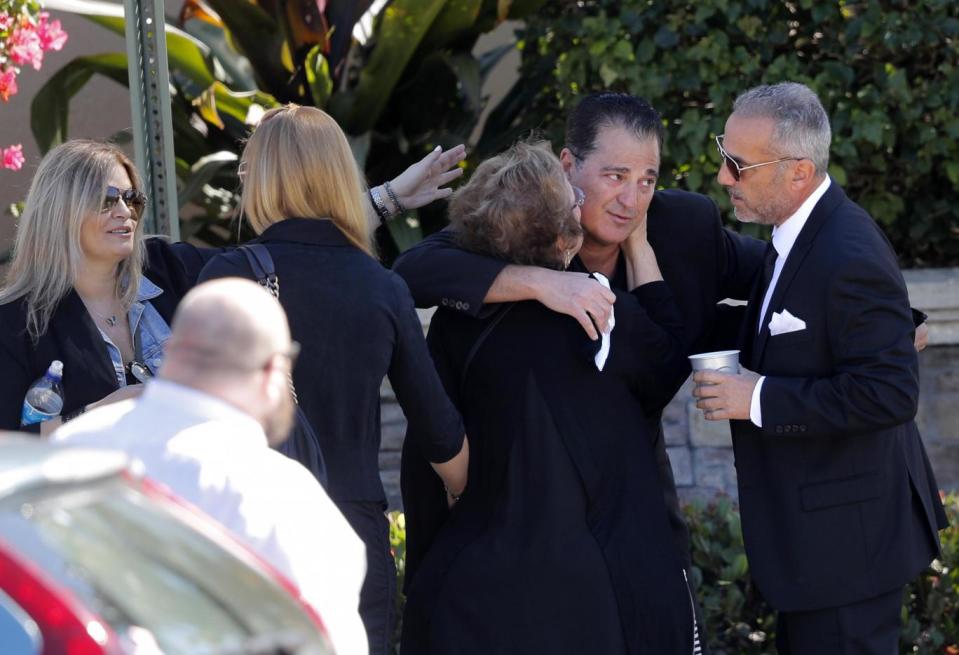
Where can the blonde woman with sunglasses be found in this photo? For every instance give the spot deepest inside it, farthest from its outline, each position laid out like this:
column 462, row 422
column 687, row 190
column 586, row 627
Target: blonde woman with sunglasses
column 86, row 287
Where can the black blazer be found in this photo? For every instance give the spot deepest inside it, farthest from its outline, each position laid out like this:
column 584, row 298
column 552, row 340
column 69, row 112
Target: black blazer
column 838, row 500
column 73, row 338
column 701, row 262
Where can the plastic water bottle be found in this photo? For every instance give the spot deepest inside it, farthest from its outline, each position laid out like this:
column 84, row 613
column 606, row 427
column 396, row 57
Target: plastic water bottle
column 44, row 399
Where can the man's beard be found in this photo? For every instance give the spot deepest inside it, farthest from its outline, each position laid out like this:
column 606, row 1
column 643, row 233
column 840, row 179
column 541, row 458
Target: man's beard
column 280, row 423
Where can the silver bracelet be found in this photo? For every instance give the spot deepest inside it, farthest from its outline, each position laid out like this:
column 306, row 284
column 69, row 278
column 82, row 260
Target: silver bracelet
column 378, row 205
column 396, row 201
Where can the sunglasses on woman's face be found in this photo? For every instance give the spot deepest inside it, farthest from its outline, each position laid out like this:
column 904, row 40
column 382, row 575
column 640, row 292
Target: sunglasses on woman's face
column 132, row 198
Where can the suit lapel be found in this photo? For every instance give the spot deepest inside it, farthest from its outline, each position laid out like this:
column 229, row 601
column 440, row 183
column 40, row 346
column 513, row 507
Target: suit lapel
column 826, row 206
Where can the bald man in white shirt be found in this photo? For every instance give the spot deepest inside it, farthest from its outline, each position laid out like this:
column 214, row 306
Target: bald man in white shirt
column 204, row 428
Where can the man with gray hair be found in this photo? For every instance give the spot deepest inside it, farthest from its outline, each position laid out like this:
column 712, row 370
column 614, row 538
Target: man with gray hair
column 839, row 505
column 204, row 428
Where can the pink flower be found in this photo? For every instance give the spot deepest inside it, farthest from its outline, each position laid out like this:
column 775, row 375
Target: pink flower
column 8, row 84
column 13, row 157
column 52, row 36
column 25, row 47
column 6, row 21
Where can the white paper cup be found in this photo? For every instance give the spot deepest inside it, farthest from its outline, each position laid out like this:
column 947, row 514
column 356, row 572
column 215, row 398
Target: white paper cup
column 724, row 361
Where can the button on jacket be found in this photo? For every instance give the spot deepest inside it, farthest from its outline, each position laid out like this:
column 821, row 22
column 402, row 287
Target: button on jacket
column 356, row 323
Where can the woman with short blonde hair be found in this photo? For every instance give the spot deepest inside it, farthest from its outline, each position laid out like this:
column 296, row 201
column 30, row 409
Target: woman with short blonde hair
column 298, row 164
column 354, row 320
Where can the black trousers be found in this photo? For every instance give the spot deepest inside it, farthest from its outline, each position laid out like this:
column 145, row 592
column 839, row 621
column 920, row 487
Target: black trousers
column 378, row 594
column 869, row 627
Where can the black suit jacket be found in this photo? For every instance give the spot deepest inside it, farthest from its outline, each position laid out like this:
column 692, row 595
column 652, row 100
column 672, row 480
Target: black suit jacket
column 700, row 261
column 74, row 339
column 838, row 500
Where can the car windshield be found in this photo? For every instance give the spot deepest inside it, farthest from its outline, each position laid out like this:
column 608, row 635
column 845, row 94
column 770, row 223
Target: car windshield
column 154, row 579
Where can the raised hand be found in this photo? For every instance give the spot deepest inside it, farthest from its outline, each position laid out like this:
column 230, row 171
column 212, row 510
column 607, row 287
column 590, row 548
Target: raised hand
column 426, row 180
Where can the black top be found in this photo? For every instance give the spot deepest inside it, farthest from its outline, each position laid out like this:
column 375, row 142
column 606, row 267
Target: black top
column 701, row 262
column 74, row 339
column 561, row 542
column 356, row 323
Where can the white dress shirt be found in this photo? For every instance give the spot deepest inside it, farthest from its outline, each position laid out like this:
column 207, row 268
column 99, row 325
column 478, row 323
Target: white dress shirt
column 784, row 237
column 216, row 457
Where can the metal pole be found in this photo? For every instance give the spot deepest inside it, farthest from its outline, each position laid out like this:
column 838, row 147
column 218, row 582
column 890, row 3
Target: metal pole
column 150, row 112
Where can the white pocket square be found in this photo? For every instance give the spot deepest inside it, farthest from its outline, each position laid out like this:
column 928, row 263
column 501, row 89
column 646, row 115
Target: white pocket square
column 784, row 323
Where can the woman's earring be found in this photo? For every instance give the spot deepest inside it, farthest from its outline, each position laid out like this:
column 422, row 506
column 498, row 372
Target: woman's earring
column 567, row 258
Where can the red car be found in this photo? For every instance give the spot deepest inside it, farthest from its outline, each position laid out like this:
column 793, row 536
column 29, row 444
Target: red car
column 95, row 560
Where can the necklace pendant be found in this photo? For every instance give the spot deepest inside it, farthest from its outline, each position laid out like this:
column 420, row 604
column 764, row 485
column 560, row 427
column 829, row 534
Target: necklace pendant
column 111, row 320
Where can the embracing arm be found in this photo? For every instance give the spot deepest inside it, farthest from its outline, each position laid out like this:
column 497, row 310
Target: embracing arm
column 439, row 273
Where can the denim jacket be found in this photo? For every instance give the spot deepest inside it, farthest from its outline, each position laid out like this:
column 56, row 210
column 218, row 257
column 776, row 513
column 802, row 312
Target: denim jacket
column 150, row 333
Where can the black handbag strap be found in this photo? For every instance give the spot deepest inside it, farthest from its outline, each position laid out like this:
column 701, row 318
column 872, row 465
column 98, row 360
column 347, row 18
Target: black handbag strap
column 500, row 313
column 261, row 263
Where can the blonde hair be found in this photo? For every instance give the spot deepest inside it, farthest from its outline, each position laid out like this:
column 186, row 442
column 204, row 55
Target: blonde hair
column 298, row 164
column 516, row 206
column 69, row 185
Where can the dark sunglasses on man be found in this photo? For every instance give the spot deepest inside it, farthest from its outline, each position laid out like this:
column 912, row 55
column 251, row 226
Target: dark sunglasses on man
column 735, row 168
column 133, row 199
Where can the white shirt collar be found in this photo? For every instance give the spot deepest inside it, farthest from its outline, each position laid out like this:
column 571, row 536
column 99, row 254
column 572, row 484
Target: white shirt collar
column 195, row 402
column 785, row 234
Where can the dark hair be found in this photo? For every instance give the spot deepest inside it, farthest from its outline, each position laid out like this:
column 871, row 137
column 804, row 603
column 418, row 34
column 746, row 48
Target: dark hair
column 516, row 206
column 599, row 110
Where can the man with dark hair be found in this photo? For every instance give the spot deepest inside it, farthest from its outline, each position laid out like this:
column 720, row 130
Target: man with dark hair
column 613, row 154
column 839, row 504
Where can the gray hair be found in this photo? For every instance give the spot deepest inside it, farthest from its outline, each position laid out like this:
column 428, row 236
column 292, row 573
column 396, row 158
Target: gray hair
column 802, row 126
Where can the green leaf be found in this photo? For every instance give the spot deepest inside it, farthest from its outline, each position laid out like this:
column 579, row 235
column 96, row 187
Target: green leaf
column 185, row 53
column 318, row 76
column 404, row 24
column 666, row 38
column 202, row 172
column 838, row 173
column 406, row 231
column 952, row 172
column 50, row 108
column 457, row 19
column 258, row 37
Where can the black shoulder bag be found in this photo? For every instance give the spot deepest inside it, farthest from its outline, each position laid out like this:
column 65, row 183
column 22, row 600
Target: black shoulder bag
column 302, row 444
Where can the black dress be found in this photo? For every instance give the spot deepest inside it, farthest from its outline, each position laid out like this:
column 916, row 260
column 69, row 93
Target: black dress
column 561, row 542
column 355, row 323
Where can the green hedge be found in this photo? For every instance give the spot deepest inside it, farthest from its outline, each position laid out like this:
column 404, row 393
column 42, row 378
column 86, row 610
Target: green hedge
column 739, row 622
column 887, row 72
